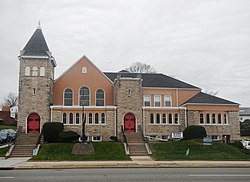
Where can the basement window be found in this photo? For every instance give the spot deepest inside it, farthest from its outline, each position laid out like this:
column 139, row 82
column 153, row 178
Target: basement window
column 96, row 138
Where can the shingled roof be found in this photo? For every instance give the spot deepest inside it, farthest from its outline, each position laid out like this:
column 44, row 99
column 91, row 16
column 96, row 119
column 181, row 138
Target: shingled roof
column 153, row 80
column 203, row 98
column 37, row 45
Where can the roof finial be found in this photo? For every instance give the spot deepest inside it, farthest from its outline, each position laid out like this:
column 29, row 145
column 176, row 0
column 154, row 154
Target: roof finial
column 39, row 25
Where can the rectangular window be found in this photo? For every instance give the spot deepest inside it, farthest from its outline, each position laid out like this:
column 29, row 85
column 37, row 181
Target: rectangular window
column 167, row 101
column 96, row 138
column 157, row 100
column 147, row 100
column 225, row 119
column 215, row 137
column 152, row 137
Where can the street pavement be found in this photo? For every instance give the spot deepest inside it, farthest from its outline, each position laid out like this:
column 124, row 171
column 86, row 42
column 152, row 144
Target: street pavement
column 136, row 162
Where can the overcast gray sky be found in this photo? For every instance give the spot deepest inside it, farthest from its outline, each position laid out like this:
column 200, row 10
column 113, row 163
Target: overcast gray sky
column 202, row 42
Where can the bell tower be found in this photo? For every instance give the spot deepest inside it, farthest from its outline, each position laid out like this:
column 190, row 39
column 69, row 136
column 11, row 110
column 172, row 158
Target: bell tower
column 36, row 79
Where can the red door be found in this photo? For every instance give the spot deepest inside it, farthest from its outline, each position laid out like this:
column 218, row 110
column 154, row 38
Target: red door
column 33, row 123
column 129, row 123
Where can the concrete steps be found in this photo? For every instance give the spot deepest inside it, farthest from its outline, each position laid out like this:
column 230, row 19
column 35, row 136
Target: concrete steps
column 136, row 144
column 24, row 145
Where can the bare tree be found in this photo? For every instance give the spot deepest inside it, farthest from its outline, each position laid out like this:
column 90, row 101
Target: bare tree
column 11, row 99
column 139, row 67
column 213, row 93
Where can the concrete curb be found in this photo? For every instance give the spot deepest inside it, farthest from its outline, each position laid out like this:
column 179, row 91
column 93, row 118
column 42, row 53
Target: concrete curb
column 132, row 164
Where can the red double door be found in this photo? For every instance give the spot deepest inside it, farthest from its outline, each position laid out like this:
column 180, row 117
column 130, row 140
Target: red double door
column 129, row 123
column 33, row 123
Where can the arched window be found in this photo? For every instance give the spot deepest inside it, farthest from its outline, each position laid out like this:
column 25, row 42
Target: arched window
column 71, row 118
column 90, row 118
column 64, row 118
column 176, row 118
column 164, row 119
column 77, row 118
column 201, row 118
column 84, row 96
column 27, row 71
column 170, row 118
column 208, row 118
column 151, row 118
column 34, row 71
column 225, row 119
column 68, row 97
column 103, row 118
column 84, row 70
column 42, row 71
column 96, row 118
column 219, row 119
column 99, row 97
column 157, row 118
column 213, row 118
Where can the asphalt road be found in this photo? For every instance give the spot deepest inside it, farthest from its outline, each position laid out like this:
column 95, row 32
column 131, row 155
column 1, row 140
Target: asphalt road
column 129, row 175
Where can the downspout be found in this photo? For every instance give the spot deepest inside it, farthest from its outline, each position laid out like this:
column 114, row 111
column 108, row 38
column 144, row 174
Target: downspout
column 115, row 110
column 51, row 113
column 177, row 98
column 186, row 122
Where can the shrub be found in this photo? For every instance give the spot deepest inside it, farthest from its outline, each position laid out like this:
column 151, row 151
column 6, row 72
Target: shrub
column 237, row 144
column 68, row 136
column 50, row 131
column 114, row 138
column 194, row 132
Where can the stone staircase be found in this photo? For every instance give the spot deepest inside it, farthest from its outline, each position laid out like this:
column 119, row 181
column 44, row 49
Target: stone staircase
column 136, row 144
column 24, row 145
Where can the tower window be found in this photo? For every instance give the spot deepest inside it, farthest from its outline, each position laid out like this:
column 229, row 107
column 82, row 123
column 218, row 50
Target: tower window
column 42, row 71
column 27, row 71
column 34, row 71
column 129, row 92
column 34, row 91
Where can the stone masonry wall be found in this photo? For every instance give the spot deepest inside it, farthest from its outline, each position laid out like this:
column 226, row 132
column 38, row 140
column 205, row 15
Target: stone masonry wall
column 128, row 103
column 104, row 130
column 163, row 129
column 42, row 99
column 232, row 128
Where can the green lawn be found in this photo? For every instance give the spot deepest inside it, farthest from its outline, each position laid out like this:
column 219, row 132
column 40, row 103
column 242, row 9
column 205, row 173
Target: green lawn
column 197, row 151
column 3, row 151
column 62, row 151
column 7, row 127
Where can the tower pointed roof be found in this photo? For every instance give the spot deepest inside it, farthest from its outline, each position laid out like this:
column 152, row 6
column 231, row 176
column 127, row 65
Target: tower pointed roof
column 37, row 45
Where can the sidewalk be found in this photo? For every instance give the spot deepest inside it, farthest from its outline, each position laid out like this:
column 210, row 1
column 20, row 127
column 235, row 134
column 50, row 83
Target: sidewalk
column 137, row 162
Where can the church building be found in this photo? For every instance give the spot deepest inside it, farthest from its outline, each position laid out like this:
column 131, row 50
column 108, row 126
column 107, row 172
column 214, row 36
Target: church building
column 108, row 102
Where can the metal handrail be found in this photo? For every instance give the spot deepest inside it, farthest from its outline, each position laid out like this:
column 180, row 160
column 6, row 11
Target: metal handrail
column 124, row 139
column 145, row 139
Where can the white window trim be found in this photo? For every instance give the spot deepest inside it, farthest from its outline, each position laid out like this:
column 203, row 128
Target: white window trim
column 84, row 70
column 103, row 97
column 155, row 100
column 170, row 96
column 93, row 140
column 147, row 95
column 42, row 72
column 27, row 71
column 79, row 95
column 72, row 96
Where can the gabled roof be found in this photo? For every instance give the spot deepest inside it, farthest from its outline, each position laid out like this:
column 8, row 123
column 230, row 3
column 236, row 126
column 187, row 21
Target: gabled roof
column 203, row 98
column 37, row 45
column 156, row 80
